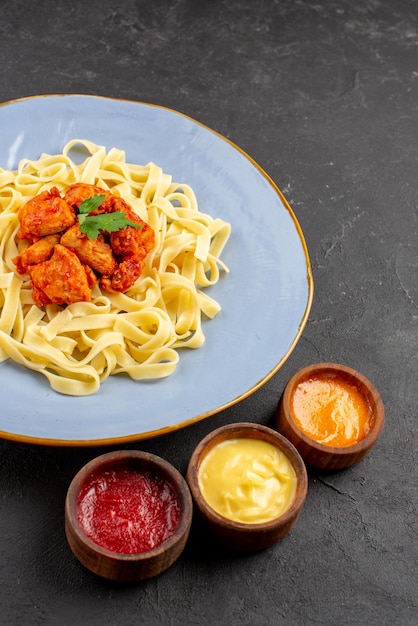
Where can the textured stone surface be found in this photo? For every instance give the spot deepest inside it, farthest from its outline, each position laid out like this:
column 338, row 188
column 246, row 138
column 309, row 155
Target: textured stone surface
column 324, row 96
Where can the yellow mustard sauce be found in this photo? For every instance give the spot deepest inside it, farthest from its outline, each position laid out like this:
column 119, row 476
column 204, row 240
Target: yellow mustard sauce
column 330, row 411
column 247, row 480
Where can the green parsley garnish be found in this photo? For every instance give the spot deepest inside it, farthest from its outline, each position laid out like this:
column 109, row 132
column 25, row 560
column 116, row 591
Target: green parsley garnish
column 91, row 225
column 91, row 203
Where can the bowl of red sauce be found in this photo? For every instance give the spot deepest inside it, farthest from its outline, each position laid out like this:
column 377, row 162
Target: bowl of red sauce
column 128, row 515
column 248, row 484
column 332, row 414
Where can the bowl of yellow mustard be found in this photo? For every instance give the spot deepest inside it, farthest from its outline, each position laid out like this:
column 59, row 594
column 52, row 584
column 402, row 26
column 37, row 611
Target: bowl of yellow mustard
column 249, row 485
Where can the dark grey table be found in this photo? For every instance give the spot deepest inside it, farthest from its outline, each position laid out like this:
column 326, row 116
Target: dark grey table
column 324, row 96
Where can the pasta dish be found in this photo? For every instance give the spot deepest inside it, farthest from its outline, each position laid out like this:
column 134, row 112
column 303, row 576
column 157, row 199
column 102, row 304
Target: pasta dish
column 141, row 255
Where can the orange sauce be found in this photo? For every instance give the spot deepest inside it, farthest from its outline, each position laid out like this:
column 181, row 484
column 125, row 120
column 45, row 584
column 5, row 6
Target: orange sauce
column 331, row 411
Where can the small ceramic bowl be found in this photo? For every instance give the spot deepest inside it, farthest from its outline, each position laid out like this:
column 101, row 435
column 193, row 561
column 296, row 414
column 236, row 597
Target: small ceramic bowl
column 238, row 535
column 317, row 454
column 120, row 475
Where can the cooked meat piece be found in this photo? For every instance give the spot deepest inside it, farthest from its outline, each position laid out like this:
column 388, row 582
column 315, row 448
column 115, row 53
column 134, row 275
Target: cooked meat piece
column 46, row 214
column 94, row 252
column 61, row 279
column 126, row 274
column 39, row 251
column 77, row 193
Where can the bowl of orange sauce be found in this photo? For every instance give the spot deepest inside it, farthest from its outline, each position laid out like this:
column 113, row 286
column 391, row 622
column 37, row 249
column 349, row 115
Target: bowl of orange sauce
column 248, row 484
column 332, row 414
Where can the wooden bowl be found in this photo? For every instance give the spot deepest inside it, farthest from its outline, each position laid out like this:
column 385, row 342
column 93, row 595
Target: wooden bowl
column 238, row 535
column 318, row 454
column 116, row 563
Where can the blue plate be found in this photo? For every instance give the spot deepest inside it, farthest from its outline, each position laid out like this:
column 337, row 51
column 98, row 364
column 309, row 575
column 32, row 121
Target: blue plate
column 265, row 298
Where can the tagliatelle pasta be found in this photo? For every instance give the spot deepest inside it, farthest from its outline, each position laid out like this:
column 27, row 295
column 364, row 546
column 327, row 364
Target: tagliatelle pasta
column 139, row 332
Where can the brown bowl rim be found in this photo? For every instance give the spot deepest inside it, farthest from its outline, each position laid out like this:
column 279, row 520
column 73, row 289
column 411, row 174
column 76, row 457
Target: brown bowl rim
column 250, row 430
column 120, row 459
column 379, row 414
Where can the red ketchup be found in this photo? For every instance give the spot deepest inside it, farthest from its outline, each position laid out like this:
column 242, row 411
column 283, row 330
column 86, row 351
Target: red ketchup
column 128, row 511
